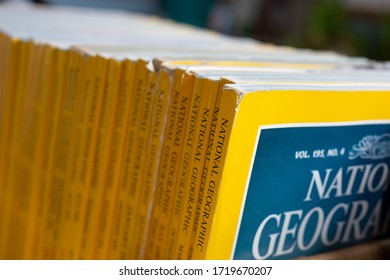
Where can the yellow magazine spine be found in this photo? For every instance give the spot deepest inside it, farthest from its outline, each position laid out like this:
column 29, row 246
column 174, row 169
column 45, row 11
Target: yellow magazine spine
column 143, row 100
column 179, row 127
column 46, row 245
column 76, row 173
column 10, row 76
column 41, row 110
column 9, row 71
column 99, row 225
column 111, row 248
column 56, row 180
column 139, row 161
column 226, row 116
column 152, row 250
column 11, row 80
column 27, row 149
column 73, row 107
column 101, row 154
column 83, row 182
column 23, row 158
column 188, row 207
column 126, row 194
column 81, row 85
column 4, row 132
column 114, row 162
column 174, row 196
column 59, row 187
column 14, row 145
column 210, row 91
column 5, row 47
column 211, row 175
column 50, row 115
column 152, row 162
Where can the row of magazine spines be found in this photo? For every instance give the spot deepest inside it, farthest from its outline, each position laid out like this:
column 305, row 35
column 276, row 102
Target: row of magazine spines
column 80, row 117
column 171, row 153
column 125, row 250
column 59, row 125
column 188, row 200
column 178, row 157
column 34, row 116
column 60, row 157
column 12, row 160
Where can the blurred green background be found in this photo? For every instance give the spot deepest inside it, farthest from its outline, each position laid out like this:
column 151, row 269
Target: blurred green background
column 353, row 27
